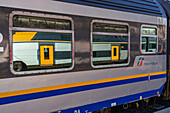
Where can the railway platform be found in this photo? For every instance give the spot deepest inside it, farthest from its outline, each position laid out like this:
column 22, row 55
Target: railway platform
column 166, row 110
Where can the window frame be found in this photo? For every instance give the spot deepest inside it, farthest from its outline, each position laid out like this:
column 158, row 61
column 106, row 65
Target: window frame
column 105, row 33
column 11, row 28
column 141, row 35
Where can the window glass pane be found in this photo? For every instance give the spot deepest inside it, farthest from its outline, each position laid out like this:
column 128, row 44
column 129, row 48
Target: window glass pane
column 149, row 39
column 109, row 49
column 41, row 50
column 149, row 44
column 37, row 22
column 152, row 44
column 46, row 53
column 110, row 38
column 102, row 27
column 149, row 31
column 144, row 45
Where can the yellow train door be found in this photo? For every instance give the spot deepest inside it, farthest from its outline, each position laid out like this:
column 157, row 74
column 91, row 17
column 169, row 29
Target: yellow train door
column 46, row 55
column 115, row 53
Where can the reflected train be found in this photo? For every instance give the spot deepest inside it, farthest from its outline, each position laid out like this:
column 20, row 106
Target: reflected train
column 80, row 56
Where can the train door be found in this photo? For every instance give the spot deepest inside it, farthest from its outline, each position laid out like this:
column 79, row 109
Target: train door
column 115, row 53
column 46, row 55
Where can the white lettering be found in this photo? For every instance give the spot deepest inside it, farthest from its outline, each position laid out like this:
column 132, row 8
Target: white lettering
column 86, row 111
column 76, row 111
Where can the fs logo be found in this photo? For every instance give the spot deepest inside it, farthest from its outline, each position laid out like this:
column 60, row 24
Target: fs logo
column 140, row 62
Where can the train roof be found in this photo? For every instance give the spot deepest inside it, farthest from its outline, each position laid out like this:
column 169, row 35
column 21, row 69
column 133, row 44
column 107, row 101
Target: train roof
column 143, row 11
column 166, row 6
column 149, row 7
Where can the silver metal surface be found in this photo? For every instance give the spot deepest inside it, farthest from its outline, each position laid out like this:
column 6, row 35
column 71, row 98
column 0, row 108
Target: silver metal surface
column 29, row 82
column 81, row 10
column 54, row 103
column 46, row 105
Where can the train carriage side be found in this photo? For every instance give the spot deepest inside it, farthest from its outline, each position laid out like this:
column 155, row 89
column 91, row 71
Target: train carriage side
column 166, row 5
column 80, row 56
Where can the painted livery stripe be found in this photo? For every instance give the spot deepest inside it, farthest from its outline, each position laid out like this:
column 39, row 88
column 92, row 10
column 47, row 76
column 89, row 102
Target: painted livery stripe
column 42, row 41
column 109, row 103
column 50, row 93
column 57, row 87
column 110, row 42
column 28, row 37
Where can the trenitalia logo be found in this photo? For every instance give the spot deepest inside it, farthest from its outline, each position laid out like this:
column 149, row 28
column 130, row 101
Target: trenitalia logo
column 140, row 62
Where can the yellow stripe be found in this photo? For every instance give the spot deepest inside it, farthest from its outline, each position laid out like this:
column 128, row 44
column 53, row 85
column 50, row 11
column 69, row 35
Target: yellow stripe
column 28, row 36
column 42, row 89
column 44, row 41
column 23, row 36
column 111, row 42
column 51, row 40
column 150, row 42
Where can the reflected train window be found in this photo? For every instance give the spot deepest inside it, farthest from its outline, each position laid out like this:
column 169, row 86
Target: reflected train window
column 38, row 22
column 47, row 46
column 110, row 44
column 149, row 39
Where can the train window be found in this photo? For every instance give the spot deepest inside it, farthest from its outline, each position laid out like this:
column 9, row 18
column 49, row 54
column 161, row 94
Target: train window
column 110, row 44
column 149, row 39
column 104, row 27
column 41, row 47
column 37, row 22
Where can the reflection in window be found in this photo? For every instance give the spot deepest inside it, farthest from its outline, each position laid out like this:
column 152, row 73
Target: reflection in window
column 112, row 28
column 46, row 53
column 149, row 39
column 33, row 50
column 109, row 44
column 38, row 22
column 149, row 31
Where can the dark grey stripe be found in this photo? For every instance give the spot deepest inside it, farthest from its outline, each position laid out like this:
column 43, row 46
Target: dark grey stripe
column 101, row 54
column 53, row 36
column 59, row 55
